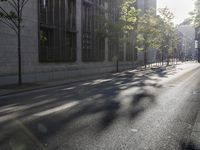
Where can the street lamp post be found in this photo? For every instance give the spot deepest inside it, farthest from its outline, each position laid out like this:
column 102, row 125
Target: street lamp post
column 196, row 47
column 197, row 42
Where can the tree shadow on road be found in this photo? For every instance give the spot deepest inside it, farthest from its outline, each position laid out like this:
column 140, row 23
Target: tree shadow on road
column 142, row 100
column 100, row 99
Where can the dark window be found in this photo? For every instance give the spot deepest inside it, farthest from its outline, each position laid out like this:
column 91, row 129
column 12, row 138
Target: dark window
column 46, row 12
column 129, row 51
column 93, row 45
column 57, row 31
column 46, row 45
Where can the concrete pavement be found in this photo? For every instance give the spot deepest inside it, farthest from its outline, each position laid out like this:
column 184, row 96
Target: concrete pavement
column 194, row 140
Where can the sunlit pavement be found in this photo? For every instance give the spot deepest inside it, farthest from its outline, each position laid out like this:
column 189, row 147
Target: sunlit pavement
column 156, row 109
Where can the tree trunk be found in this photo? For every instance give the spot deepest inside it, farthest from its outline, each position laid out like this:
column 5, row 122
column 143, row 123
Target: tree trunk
column 167, row 61
column 19, row 58
column 162, row 58
column 145, row 55
column 117, row 66
column 19, row 47
column 145, row 58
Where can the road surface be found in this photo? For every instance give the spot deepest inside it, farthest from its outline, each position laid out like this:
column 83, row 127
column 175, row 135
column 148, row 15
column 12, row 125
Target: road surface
column 148, row 110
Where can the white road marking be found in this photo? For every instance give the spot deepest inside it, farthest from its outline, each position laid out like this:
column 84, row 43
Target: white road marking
column 134, row 130
column 56, row 109
column 66, row 89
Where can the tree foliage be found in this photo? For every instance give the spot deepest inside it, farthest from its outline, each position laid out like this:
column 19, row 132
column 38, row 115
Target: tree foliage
column 13, row 17
column 146, row 30
column 128, row 16
column 157, row 31
column 121, row 27
column 195, row 15
column 165, row 29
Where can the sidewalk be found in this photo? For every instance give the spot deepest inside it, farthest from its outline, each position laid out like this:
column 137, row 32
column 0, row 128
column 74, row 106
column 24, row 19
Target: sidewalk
column 194, row 142
column 25, row 87
column 15, row 89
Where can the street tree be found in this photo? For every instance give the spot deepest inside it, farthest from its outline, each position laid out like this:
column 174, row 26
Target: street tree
column 119, row 29
column 12, row 18
column 165, row 33
column 128, row 17
column 195, row 14
column 146, row 32
column 175, row 41
column 121, row 26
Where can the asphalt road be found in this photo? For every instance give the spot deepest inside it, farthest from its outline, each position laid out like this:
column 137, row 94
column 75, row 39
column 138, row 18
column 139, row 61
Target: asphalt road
column 154, row 110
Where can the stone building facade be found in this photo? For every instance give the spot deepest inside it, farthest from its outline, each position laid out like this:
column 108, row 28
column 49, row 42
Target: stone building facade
column 59, row 42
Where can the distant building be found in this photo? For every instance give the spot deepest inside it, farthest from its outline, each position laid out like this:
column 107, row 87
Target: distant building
column 146, row 4
column 151, row 4
column 188, row 41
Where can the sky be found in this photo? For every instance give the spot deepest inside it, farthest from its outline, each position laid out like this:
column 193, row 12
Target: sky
column 180, row 8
